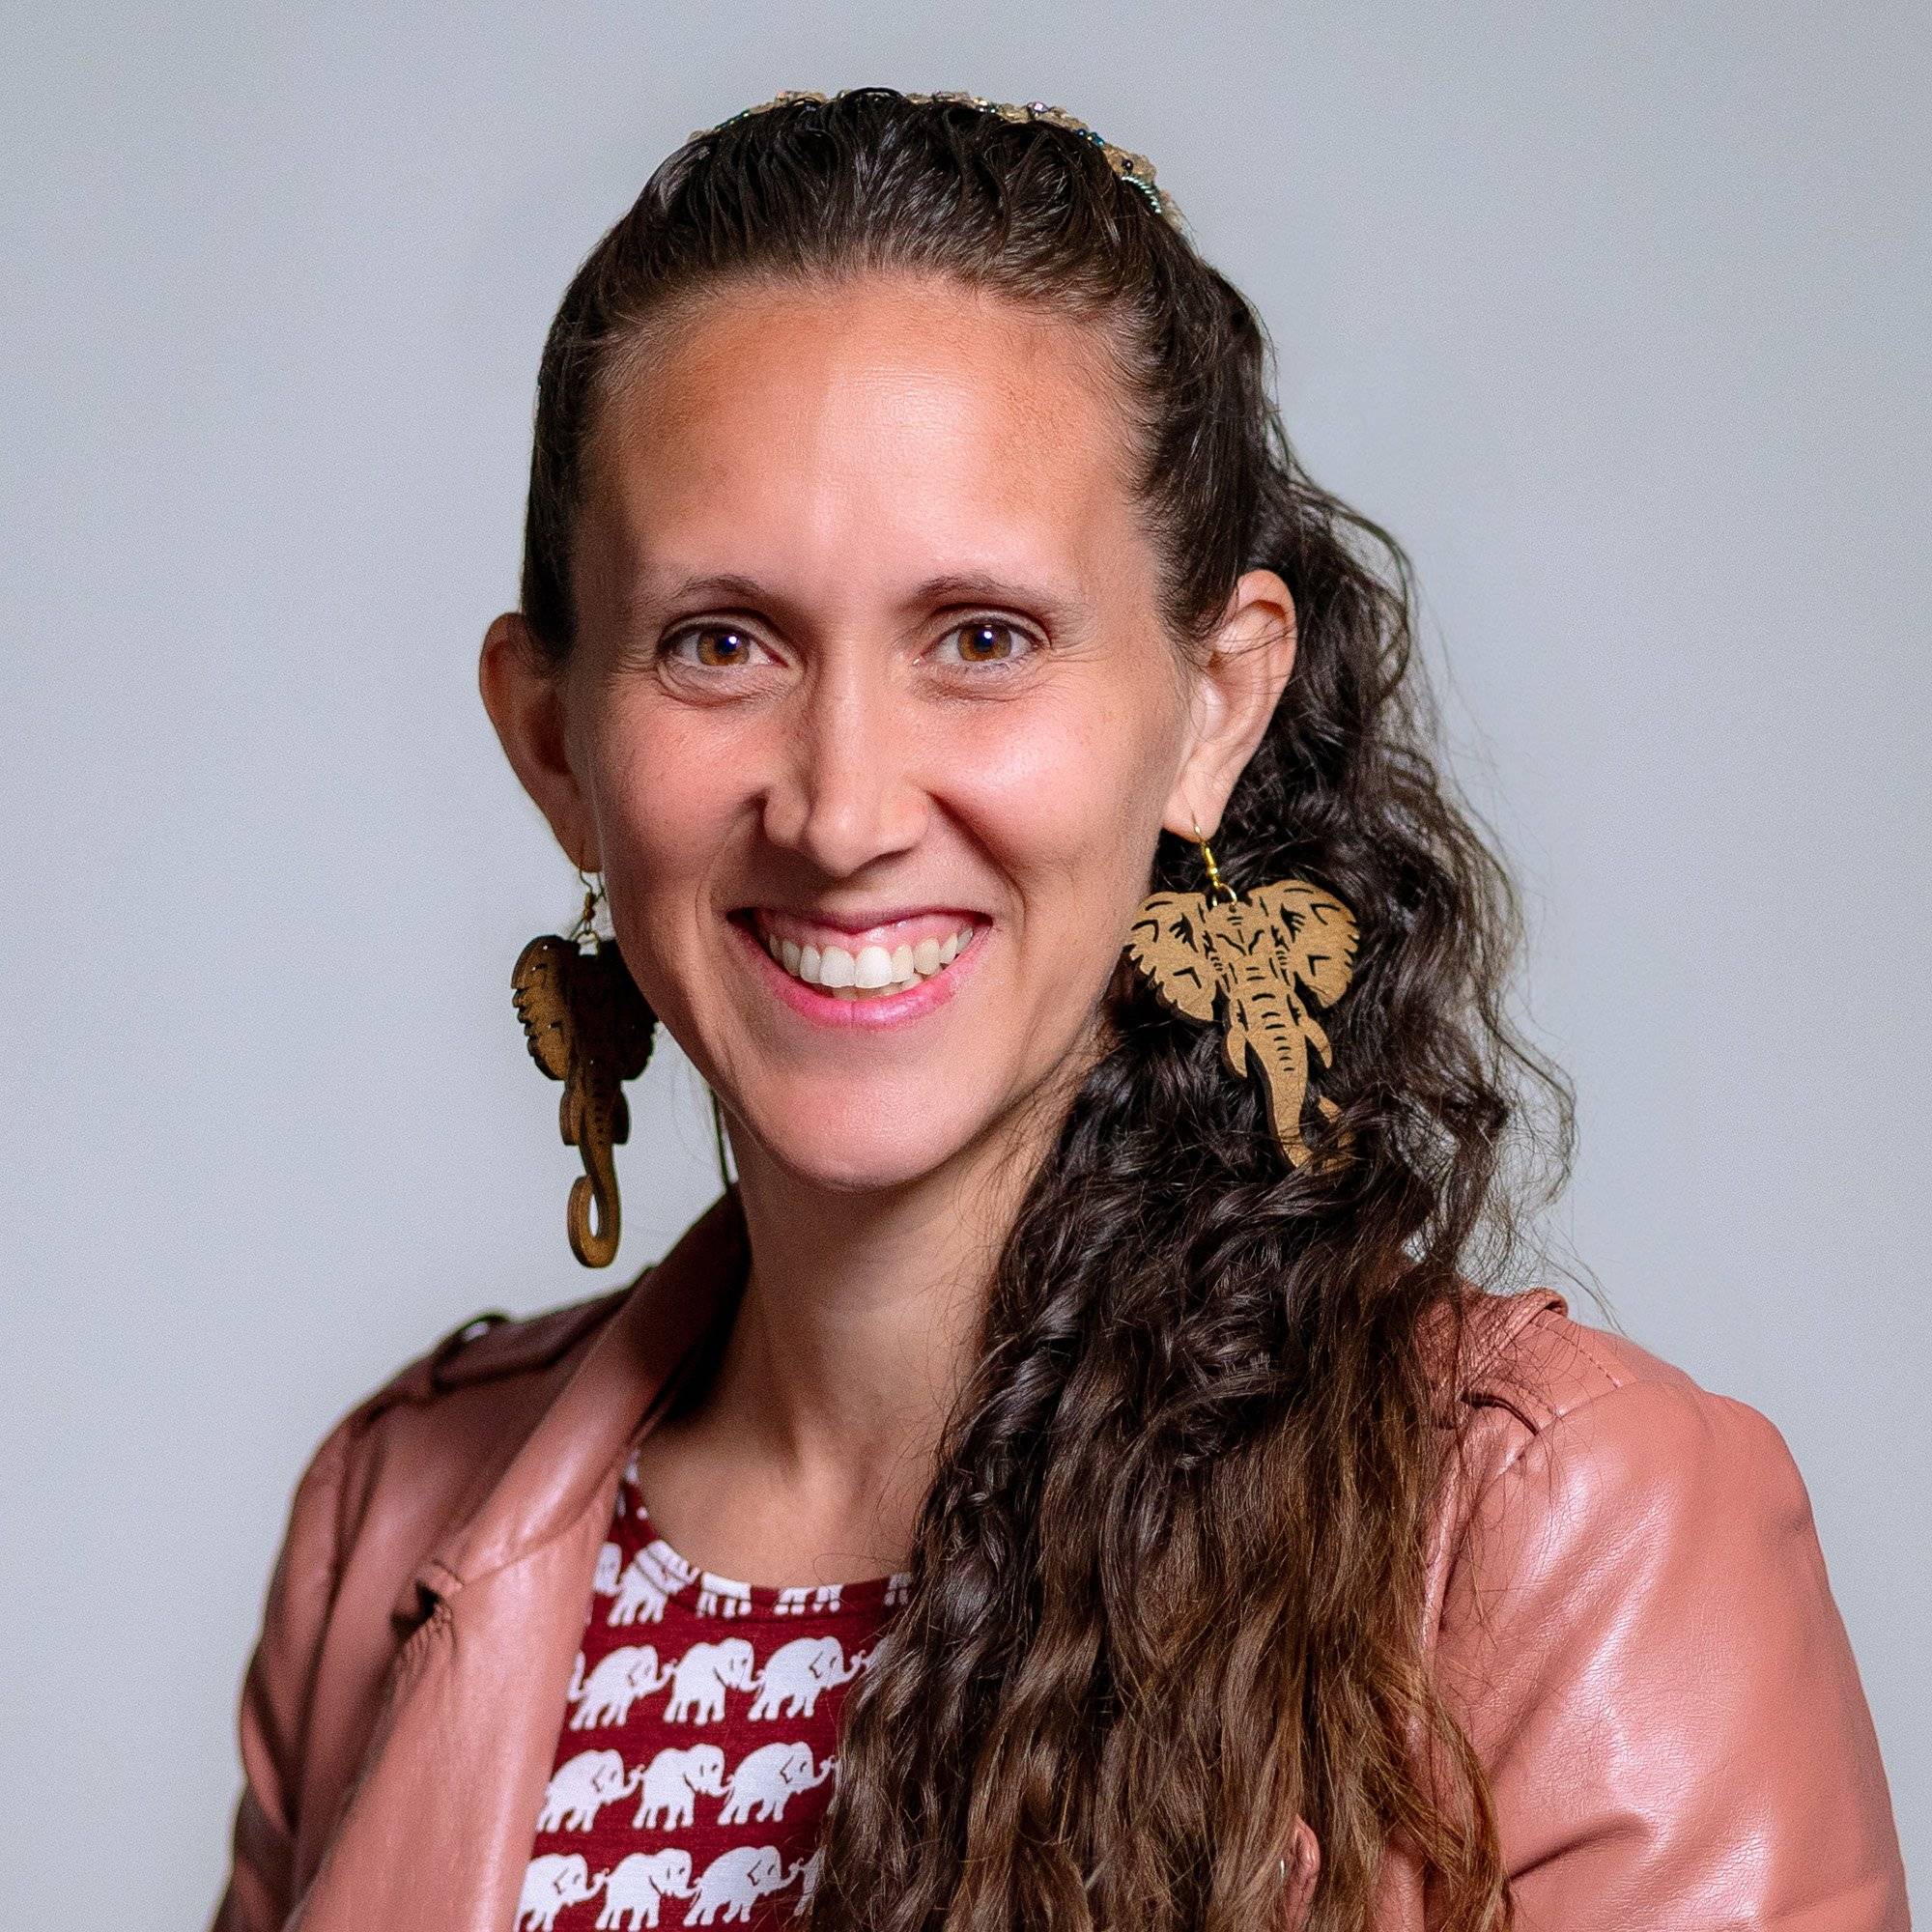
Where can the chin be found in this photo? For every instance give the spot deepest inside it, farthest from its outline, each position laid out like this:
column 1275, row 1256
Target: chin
column 860, row 1162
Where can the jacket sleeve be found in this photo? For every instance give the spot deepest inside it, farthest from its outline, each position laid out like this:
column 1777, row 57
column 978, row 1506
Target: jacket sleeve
column 1640, row 1641
column 276, row 1696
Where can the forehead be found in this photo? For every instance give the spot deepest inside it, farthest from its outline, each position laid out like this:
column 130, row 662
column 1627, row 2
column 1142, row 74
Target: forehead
column 880, row 423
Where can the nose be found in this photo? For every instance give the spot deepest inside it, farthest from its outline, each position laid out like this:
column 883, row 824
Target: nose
column 847, row 793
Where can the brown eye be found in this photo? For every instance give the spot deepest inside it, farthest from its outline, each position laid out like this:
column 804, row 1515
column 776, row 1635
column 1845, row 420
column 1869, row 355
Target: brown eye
column 987, row 640
column 719, row 645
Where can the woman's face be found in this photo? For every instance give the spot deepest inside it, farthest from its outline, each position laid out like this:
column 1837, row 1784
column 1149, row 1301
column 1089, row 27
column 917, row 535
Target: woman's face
column 869, row 669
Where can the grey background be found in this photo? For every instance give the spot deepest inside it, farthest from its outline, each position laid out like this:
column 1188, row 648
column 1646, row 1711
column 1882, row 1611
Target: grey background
column 1616, row 316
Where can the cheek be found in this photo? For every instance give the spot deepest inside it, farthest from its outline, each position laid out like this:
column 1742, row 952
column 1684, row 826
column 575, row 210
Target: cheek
column 664, row 793
column 1069, row 800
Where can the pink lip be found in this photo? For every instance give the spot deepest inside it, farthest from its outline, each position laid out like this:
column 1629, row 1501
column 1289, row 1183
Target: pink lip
column 884, row 1009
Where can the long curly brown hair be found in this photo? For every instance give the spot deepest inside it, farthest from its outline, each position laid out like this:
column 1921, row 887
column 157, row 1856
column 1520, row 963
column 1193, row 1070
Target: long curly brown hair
column 1166, row 1587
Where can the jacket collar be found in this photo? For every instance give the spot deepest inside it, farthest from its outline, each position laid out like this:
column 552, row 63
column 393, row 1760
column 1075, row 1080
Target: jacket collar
column 437, row 1830
column 608, row 1402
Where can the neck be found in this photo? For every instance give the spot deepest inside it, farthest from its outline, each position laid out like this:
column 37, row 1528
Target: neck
column 861, row 1313
column 810, row 1448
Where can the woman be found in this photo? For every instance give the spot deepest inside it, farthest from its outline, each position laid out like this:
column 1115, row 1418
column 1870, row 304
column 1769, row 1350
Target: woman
column 1073, row 1476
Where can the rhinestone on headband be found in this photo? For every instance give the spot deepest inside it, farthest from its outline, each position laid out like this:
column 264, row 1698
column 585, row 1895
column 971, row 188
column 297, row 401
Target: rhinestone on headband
column 1134, row 169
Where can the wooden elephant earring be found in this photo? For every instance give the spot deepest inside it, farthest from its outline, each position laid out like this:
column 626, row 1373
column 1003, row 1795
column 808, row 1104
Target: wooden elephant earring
column 588, row 1026
column 1263, row 957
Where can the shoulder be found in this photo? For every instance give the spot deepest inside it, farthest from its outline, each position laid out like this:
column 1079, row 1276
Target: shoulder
column 1574, row 1443
column 406, row 1458
column 1528, row 1352
column 490, row 1349
column 1526, row 1358
column 402, row 1464
column 1633, row 1625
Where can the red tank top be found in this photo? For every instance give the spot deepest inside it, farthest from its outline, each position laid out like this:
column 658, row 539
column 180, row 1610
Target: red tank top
column 696, row 1755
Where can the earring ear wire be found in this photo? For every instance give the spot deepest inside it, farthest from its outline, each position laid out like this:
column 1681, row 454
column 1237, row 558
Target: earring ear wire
column 1217, row 887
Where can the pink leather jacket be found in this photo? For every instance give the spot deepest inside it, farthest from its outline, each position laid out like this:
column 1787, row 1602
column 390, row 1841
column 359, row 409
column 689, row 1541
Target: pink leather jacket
column 1628, row 1609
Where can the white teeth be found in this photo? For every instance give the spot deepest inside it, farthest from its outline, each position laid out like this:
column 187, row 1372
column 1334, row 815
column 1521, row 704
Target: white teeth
column 837, row 971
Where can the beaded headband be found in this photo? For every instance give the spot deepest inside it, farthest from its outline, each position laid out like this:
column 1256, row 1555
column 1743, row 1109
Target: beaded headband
column 1134, row 169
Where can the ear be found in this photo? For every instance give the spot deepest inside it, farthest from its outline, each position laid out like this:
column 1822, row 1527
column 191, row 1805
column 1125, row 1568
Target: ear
column 523, row 691
column 1234, row 697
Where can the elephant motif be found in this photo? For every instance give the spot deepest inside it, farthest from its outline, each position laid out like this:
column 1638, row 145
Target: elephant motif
column 735, row 1881
column 808, row 1882
column 703, row 1674
column 637, row 1884
column 797, row 1672
column 550, row 1882
column 655, row 1574
column 1251, row 953
column 621, row 1678
column 580, row 1789
column 588, row 1026
column 609, row 1566
column 766, row 1779
column 800, row 1600
column 722, row 1595
column 671, row 1779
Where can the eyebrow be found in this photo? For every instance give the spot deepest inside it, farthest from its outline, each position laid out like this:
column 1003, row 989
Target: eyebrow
column 1055, row 606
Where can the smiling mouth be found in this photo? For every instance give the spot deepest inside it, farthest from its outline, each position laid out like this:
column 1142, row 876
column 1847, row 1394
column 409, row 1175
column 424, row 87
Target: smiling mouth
column 862, row 969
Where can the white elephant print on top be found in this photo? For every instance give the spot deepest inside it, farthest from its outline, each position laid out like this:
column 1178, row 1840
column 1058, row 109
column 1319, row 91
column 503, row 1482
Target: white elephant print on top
column 580, row 1789
column 637, row 1886
column 722, row 1595
column 808, row 1883
column 622, row 1676
column 674, row 1781
column 735, row 1882
column 550, row 1884
column 807, row 1600
column 768, row 1777
column 691, row 1772
column 798, row 1672
column 654, row 1576
column 703, row 1674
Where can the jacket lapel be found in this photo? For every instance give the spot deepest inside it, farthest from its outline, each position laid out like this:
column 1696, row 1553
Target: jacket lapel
column 437, row 1831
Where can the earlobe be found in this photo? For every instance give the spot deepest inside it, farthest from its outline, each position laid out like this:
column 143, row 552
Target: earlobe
column 523, row 693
